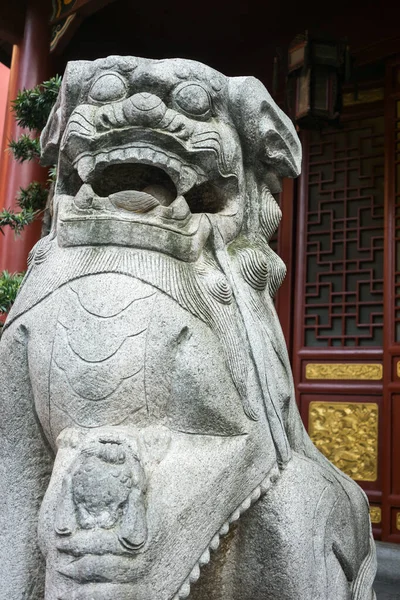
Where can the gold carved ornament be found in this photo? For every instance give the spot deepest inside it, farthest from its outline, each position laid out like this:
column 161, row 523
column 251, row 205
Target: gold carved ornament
column 398, row 368
column 363, row 97
column 347, row 434
column 369, row 371
column 398, row 521
column 375, row 514
column 60, row 24
column 58, row 31
column 60, row 7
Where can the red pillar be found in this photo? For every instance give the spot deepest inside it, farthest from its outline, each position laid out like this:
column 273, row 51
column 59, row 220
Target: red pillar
column 4, row 80
column 30, row 66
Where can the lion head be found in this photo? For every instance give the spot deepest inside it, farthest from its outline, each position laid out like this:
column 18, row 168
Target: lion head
column 154, row 153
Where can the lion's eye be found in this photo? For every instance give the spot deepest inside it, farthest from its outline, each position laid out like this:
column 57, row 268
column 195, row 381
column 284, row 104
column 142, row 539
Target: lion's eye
column 193, row 99
column 107, row 88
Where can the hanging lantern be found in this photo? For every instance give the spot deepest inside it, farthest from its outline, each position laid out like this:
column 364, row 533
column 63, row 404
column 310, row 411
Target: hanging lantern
column 317, row 68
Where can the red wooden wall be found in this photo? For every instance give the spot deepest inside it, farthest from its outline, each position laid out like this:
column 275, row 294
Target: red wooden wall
column 4, row 78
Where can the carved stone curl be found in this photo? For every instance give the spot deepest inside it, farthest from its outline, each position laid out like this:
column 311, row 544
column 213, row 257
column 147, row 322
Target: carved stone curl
column 147, row 403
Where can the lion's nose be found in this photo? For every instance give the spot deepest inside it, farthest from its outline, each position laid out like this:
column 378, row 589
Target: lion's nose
column 143, row 109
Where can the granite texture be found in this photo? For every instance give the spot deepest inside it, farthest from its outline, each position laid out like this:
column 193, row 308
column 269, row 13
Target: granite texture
column 151, row 444
column 387, row 581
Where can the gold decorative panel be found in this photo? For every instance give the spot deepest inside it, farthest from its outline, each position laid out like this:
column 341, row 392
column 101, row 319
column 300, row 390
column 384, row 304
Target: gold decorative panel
column 398, row 521
column 398, row 368
column 60, row 7
column 347, row 434
column 58, row 31
column 363, row 97
column 344, row 371
column 61, row 19
column 375, row 514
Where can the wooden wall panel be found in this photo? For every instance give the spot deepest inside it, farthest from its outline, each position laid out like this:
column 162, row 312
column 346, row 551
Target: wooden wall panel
column 395, row 450
column 339, row 304
column 391, row 404
column 342, row 319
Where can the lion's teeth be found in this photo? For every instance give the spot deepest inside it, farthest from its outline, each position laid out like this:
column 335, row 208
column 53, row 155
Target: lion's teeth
column 183, row 176
column 151, row 156
column 85, row 167
column 175, row 165
column 180, row 209
column 116, row 155
column 187, row 180
column 84, row 198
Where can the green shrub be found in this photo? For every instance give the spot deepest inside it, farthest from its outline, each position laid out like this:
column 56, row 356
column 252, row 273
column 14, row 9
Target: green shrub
column 9, row 285
column 32, row 109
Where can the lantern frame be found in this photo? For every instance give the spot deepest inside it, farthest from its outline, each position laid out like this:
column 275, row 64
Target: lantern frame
column 316, row 71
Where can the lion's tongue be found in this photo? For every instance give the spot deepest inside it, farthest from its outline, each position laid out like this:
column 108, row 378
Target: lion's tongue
column 142, row 201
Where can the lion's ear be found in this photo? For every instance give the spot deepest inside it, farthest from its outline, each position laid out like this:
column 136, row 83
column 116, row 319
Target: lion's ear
column 67, row 100
column 268, row 135
column 51, row 135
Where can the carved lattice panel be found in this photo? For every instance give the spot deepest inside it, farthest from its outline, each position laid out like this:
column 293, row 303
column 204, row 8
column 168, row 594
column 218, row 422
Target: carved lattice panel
column 344, row 236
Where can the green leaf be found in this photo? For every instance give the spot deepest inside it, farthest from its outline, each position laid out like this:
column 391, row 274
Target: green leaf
column 52, row 174
column 25, row 148
column 16, row 221
column 33, row 197
column 32, row 107
column 9, row 286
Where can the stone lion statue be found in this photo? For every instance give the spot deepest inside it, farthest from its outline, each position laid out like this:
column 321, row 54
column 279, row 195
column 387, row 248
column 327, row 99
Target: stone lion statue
column 151, row 446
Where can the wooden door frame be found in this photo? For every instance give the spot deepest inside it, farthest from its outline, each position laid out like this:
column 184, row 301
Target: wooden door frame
column 351, row 391
column 391, row 395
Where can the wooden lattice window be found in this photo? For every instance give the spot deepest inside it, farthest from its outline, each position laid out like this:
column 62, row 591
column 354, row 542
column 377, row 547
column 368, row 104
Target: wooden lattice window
column 344, row 236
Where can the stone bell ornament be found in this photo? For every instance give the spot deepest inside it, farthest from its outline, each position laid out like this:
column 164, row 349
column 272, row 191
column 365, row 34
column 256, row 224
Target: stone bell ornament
column 151, row 445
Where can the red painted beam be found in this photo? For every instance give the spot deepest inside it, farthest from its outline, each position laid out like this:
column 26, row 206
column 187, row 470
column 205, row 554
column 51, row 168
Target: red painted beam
column 83, row 7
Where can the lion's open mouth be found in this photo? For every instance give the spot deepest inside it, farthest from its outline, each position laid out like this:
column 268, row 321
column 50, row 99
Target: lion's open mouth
column 122, row 180
column 149, row 197
column 140, row 178
column 140, row 188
